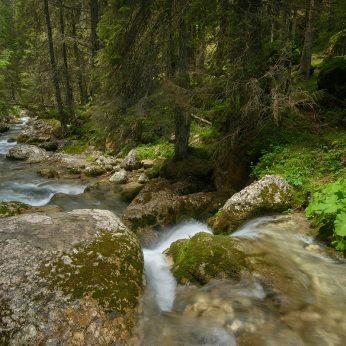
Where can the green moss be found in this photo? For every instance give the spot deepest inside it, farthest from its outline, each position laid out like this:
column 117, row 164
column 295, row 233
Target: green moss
column 104, row 269
column 130, row 194
column 153, row 172
column 152, row 151
column 144, row 221
column 207, row 256
column 12, row 208
column 75, row 149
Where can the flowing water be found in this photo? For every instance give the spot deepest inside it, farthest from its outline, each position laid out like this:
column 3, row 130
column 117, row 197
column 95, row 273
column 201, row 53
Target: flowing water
column 19, row 182
column 300, row 300
column 297, row 298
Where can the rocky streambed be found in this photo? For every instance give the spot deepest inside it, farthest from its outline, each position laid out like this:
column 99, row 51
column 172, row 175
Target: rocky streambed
column 75, row 276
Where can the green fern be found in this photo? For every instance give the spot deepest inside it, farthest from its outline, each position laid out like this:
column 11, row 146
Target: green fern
column 331, row 203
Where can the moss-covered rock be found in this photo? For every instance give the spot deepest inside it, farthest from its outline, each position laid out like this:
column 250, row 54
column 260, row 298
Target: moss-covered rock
column 74, row 278
column 199, row 206
column 271, row 194
column 205, row 257
column 130, row 191
column 94, row 171
column 332, row 77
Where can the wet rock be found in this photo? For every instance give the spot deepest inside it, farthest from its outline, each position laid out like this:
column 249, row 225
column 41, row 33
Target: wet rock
column 48, row 173
column 12, row 140
column 94, row 171
column 68, row 279
column 268, row 195
column 131, row 161
column 205, row 257
column 120, row 177
column 199, row 206
column 29, row 153
column 150, row 211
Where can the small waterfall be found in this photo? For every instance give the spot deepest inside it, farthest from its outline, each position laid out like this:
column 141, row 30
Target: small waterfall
column 157, row 269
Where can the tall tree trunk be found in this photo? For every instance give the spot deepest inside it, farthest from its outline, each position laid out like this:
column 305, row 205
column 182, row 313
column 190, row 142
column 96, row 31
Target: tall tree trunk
column 94, row 17
column 69, row 93
column 182, row 121
column 305, row 60
column 83, row 94
column 182, row 132
column 54, row 68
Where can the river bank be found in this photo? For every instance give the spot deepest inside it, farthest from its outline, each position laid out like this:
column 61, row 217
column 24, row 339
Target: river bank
column 280, row 295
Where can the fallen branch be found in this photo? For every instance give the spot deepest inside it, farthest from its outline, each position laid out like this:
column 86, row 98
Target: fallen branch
column 201, row 119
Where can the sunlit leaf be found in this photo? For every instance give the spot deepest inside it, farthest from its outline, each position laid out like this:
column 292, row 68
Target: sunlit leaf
column 340, row 224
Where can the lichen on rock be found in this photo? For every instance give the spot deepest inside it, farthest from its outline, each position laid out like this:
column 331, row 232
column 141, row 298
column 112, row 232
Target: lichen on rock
column 68, row 277
column 268, row 195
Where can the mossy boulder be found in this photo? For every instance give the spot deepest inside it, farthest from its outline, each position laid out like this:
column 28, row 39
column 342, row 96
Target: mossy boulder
column 271, row 194
column 199, row 206
column 205, row 257
column 94, row 171
column 332, row 77
column 150, row 211
column 73, row 278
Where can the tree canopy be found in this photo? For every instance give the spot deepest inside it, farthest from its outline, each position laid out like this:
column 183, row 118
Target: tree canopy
column 148, row 66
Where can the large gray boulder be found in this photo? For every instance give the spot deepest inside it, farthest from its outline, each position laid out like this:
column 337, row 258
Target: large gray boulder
column 28, row 153
column 131, row 161
column 268, row 195
column 119, row 177
column 68, row 279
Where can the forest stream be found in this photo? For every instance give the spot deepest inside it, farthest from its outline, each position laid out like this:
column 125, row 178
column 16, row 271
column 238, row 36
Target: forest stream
column 305, row 307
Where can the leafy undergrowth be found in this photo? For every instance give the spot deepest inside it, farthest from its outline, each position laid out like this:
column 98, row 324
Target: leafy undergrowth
column 314, row 163
column 328, row 208
column 155, row 150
